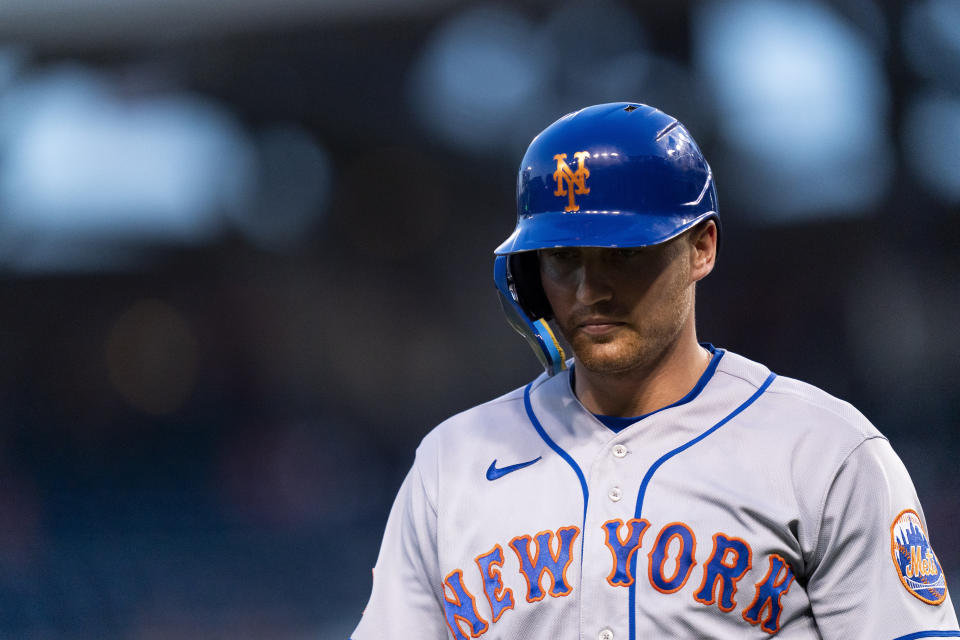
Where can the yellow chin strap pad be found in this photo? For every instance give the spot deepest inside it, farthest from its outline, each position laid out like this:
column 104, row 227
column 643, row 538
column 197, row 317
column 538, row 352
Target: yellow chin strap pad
column 551, row 345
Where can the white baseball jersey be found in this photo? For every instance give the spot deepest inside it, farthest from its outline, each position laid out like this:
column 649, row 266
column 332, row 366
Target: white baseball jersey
column 757, row 505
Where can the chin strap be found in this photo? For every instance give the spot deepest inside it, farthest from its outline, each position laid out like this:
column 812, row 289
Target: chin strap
column 537, row 333
column 548, row 342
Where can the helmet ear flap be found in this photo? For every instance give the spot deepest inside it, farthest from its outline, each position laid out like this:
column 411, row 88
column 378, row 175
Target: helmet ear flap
column 525, row 269
column 534, row 330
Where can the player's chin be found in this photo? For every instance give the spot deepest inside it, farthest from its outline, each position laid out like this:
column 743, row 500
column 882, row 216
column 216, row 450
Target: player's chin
column 610, row 356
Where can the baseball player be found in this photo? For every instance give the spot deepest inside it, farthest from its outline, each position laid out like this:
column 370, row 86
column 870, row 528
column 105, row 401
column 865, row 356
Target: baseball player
column 651, row 486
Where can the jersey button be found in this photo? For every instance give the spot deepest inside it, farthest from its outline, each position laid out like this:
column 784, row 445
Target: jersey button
column 605, row 634
column 615, row 494
column 619, row 450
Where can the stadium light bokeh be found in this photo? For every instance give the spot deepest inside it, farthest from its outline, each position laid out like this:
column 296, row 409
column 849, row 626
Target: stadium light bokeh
column 802, row 106
column 931, row 139
column 91, row 179
column 477, row 77
column 930, row 35
column 931, row 130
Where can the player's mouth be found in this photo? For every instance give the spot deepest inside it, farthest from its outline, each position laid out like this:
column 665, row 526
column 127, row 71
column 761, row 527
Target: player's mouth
column 599, row 326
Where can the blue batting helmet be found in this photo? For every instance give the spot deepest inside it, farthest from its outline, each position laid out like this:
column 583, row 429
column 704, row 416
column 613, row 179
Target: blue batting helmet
column 612, row 175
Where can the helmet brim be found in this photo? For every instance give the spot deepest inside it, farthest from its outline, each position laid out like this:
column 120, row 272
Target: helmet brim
column 595, row 229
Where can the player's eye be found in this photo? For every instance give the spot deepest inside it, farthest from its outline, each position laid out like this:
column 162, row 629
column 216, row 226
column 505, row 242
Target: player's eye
column 561, row 254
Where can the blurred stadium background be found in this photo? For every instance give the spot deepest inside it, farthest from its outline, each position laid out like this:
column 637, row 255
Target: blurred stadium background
column 246, row 265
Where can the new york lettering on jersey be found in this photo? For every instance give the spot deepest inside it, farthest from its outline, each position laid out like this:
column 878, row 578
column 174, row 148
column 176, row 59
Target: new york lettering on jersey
column 670, row 564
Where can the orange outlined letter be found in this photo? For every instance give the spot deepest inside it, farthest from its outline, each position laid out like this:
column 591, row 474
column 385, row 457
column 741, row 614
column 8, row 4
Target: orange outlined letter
column 500, row 598
column 621, row 549
column 685, row 557
column 728, row 563
column 462, row 608
column 769, row 592
column 546, row 560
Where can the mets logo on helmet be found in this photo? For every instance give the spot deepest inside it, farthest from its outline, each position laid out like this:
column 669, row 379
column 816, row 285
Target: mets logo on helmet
column 918, row 567
column 569, row 181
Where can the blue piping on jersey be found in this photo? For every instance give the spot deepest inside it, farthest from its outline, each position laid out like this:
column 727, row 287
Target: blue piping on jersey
column 656, row 465
column 930, row 634
column 616, row 424
column 563, row 454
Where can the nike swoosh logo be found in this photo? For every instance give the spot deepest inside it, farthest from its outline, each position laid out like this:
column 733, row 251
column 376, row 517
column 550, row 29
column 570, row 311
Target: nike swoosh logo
column 493, row 473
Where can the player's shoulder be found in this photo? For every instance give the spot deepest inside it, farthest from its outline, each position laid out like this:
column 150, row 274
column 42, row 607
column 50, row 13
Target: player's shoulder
column 501, row 418
column 800, row 403
column 510, row 403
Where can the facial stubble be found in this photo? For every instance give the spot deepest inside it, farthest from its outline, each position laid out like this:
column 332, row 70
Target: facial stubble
column 637, row 345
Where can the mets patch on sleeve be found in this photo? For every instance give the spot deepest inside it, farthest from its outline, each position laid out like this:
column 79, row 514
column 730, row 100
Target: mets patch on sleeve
column 918, row 567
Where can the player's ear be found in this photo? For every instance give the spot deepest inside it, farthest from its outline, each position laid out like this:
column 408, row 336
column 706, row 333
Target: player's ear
column 703, row 249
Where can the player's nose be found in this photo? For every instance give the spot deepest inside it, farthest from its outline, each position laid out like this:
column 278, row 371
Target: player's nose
column 593, row 280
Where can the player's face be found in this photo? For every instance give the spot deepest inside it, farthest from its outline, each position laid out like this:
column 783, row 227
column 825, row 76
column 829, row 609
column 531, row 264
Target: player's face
column 621, row 309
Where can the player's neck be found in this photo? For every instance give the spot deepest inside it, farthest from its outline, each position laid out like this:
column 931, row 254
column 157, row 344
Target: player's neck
column 641, row 391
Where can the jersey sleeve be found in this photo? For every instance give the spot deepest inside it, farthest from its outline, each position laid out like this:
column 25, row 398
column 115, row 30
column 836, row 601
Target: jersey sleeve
column 405, row 601
column 875, row 574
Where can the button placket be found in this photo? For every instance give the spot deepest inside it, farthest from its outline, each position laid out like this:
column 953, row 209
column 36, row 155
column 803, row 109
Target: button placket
column 619, row 451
